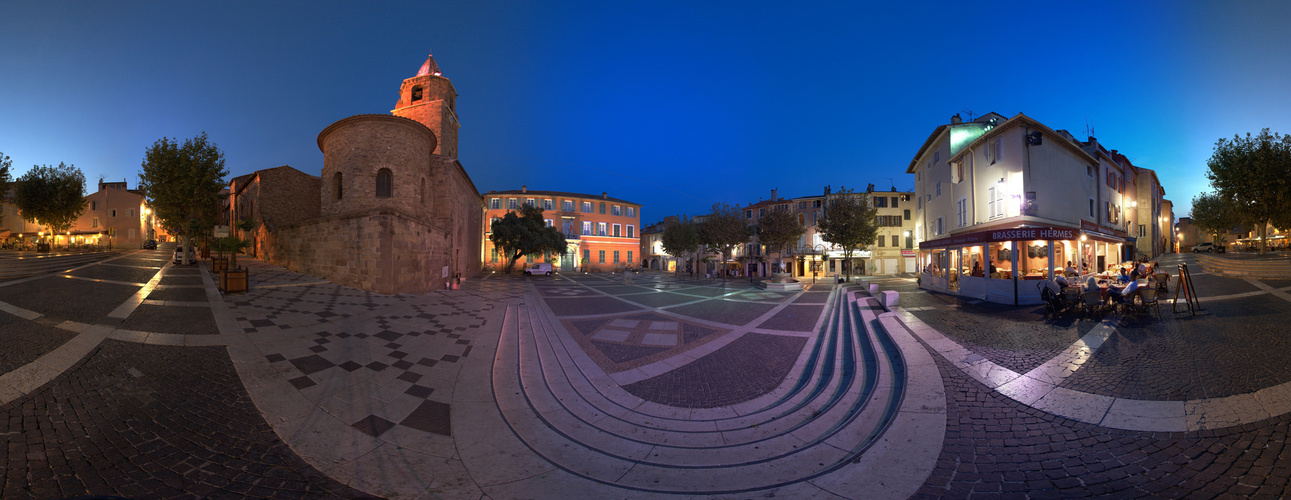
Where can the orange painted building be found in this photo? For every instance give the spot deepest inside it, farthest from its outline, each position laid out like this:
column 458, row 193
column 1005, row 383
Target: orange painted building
column 602, row 232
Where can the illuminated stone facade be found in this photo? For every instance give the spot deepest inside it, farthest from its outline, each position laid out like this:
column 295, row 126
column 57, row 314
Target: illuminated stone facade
column 393, row 211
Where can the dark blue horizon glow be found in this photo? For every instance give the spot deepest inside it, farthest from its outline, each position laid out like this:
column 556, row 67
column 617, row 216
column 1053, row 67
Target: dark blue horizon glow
column 674, row 106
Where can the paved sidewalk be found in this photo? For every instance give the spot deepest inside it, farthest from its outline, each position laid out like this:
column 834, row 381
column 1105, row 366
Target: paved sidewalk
column 151, row 384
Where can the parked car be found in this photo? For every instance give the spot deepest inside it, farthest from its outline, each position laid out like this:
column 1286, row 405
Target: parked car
column 1206, row 247
column 179, row 252
column 542, row 268
column 150, row 245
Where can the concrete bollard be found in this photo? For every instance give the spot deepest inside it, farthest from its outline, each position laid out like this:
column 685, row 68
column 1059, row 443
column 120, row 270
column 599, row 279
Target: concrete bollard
column 890, row 299
column 874, row 290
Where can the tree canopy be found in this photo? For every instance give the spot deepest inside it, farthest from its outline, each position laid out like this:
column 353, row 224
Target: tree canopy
column 5, row 177
column 723, row 228
column 778, row 229
column 51, row 196
column 849, row 222
column 680, row 238
column 182, row 182
column 1254, row 172
column 1214, row 214
column 525, row 234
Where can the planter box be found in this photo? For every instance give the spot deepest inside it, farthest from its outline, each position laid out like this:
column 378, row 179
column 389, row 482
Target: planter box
column 233, row 281
column 219, row 264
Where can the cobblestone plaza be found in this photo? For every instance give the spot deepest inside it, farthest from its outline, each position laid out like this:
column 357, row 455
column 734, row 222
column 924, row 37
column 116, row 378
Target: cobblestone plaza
column 135, row 377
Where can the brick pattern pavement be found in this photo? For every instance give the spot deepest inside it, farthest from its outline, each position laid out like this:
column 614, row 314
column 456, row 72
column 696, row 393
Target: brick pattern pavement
column 626, row 342
column 22, row 341
column 146, row 421
column 749, row 367
column 998, row 448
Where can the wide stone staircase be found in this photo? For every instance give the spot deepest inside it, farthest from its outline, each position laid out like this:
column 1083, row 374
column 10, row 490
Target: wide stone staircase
column 22, row 264
column 822, row 430
column 1278, row 267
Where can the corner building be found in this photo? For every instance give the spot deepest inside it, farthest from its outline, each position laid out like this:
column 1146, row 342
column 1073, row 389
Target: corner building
column 601, row 231
column 394, row 211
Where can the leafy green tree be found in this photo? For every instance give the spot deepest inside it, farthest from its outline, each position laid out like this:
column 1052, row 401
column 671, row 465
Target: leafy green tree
column 1214, row 214
column 5, row 165
column 679, row 239
column 778, row 229
column 849, row 221
column 1255, row 173
column 51, row 196
column 182, row 182
column 723, row 229
column 525, row 234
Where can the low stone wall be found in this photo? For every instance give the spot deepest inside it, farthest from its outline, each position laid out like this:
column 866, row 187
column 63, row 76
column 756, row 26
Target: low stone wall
column 381, row 251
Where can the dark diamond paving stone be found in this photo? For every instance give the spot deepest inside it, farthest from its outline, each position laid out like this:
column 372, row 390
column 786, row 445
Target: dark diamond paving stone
column 796, row 318
column 22, row 342
column 463, row 341
column 318, row 348
column 184, row 320
column 321, row 341
column 373, row 425
column 427, row 362
column 387, row 335
column 409, row 376
column 419, row 391
column 622, row 353
column 261, row 323
column 749, row 367
column 179, row 294
column 302, row 382
column 466, row 352
column 589, row 326
column 185, row 428
column 588, row 305
column 49, row 296
column 402, row 364
column 377, row 366
column 432, row 417
column 394, row 345
column 116, row 273
column 694, row 333
column 312, row 364
column 449, row 358
column 274, row 358
column 723, row 311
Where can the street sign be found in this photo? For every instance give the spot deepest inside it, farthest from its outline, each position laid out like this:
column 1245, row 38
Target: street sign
column 221, row 231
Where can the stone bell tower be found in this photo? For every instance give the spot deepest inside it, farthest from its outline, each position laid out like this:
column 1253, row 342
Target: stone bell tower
column 430, row 98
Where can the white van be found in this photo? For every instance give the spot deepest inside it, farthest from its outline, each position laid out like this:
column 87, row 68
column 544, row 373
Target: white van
column 542, row 268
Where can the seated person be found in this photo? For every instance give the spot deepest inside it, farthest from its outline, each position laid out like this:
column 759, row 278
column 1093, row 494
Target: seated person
column 1061, row 281
column 1070, row 269
column 1123, row 278
column 1141, row 268
column 1091, row 285
column 977, row 269
column 1126, row 295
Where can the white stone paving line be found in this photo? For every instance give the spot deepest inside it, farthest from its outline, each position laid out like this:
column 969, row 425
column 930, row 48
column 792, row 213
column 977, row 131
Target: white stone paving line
column 1039, row 389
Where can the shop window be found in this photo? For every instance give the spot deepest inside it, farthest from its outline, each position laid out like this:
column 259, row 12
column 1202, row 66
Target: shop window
column 383, row 183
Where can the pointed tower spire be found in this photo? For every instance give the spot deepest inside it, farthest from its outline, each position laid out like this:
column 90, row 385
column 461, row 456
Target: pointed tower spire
column 429, row 67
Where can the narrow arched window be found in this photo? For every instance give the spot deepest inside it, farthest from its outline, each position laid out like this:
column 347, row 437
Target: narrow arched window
column 416, row 93
column 383, row 183
column 336, row 184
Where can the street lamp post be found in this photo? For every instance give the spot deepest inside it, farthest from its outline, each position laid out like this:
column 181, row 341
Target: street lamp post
column 818, row 250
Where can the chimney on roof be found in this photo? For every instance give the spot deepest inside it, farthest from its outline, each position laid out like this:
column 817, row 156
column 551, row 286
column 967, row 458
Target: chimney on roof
column 524, row 189
column 605, row 194
column 956, row 120
column 773, row 194
column 826, row 190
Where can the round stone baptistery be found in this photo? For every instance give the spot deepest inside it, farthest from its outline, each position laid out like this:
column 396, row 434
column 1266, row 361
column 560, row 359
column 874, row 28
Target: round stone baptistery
column 375, row 162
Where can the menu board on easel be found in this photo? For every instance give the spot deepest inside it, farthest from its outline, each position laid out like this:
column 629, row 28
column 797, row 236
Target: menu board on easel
column 1189, row 293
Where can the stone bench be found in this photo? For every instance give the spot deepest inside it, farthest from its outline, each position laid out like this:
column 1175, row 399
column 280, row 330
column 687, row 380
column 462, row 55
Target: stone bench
column 889, row 299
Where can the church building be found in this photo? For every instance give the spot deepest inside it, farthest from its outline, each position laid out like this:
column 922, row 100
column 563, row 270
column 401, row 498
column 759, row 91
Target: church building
column 393, row 211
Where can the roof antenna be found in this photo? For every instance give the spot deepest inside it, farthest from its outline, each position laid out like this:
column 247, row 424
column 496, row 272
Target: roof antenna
column 894, row 184
column 969, row 111
column 1089, row 129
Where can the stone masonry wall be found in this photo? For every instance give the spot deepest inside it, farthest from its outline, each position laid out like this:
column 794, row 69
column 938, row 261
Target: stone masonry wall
column 380, row 251
column 358, row 147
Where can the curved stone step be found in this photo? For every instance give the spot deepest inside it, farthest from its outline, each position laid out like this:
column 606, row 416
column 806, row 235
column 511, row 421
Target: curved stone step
column 570, row 436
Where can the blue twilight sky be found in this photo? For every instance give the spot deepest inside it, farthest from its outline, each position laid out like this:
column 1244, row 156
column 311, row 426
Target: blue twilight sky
column 672, row 105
